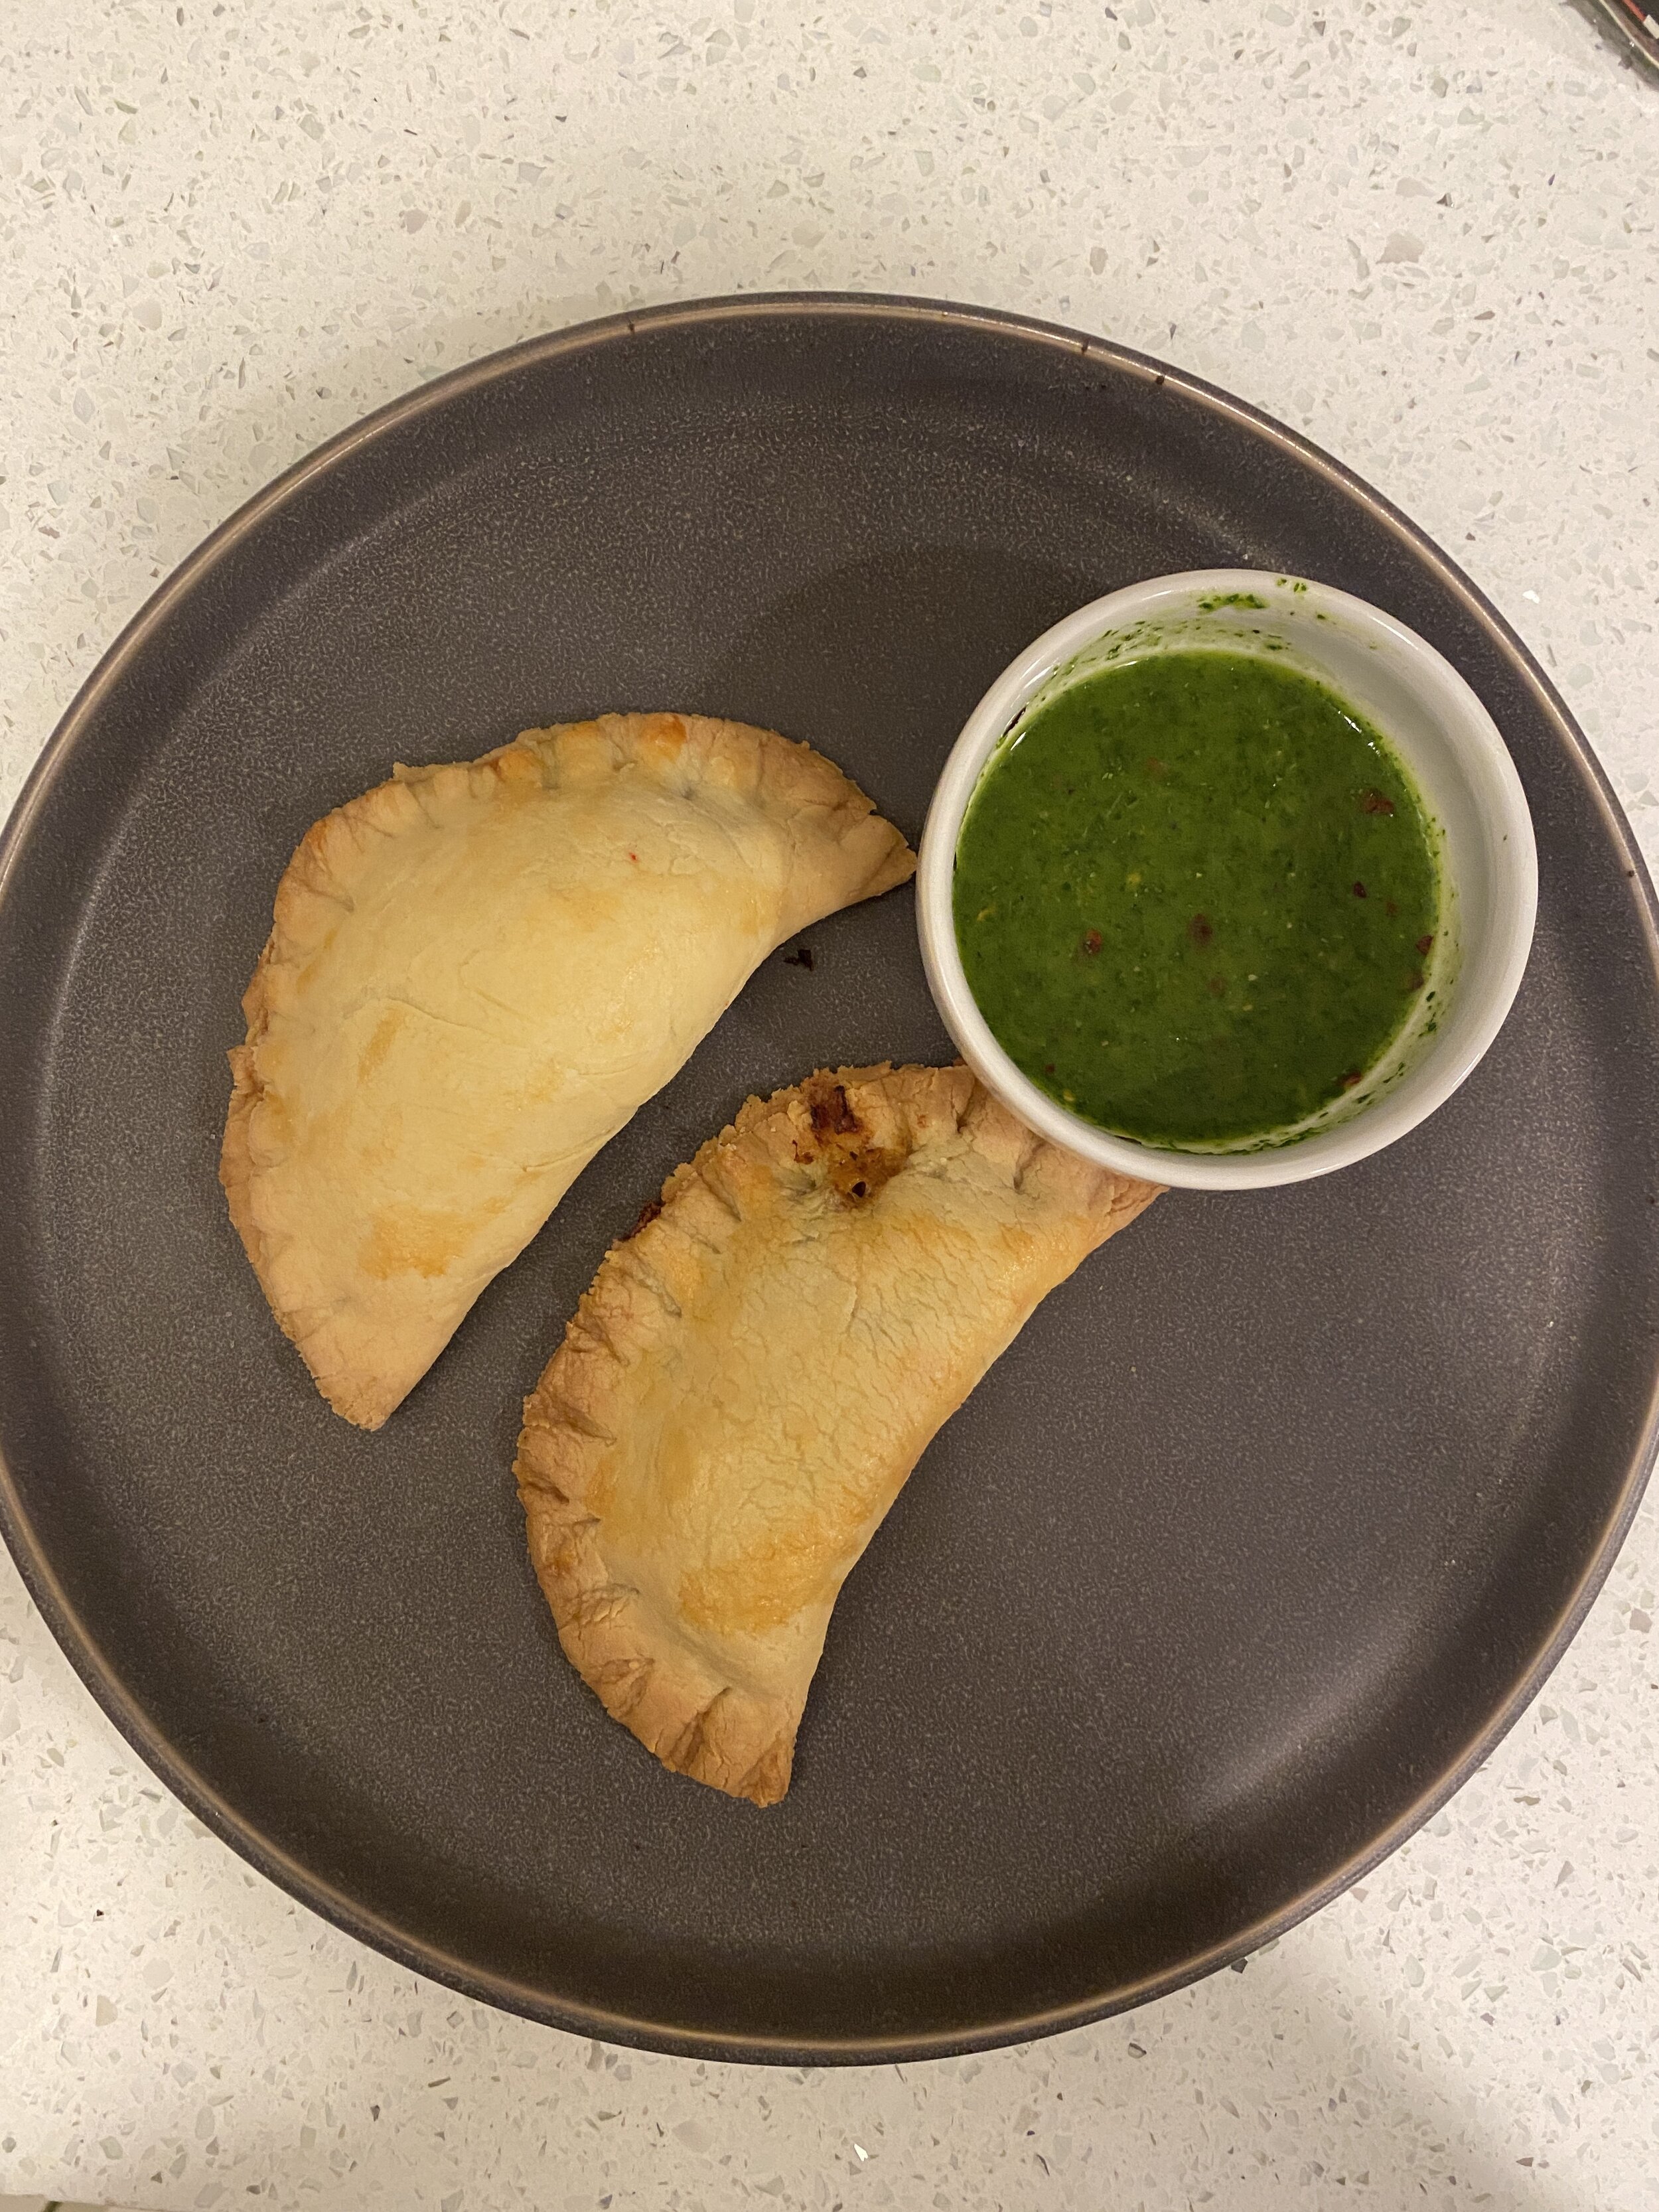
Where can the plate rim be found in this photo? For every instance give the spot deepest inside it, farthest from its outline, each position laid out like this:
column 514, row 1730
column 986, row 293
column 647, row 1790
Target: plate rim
column 75, row 1637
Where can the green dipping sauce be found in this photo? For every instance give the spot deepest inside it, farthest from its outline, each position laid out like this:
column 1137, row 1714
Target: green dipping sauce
column 1195, row 897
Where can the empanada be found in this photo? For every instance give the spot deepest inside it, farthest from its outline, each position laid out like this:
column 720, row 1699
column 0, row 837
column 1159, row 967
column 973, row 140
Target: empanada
column 754, row 1373
column 477, row 972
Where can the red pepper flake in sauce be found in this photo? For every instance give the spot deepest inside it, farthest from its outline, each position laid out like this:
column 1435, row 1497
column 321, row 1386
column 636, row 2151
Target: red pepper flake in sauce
column 1201, row 929
column 1423, row 945
column 1351, row 1079
column 1359, row 891
column 1092, row 941
column 1376, row 802
column 1414, row 980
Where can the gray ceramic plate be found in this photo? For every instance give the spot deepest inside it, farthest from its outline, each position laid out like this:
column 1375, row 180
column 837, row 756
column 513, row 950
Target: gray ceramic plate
column 1238, row 1564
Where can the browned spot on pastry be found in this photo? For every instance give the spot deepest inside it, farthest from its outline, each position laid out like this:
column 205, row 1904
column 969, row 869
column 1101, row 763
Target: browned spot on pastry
column 768, row 1780
column 416, row 1240
column 649, row 1213
column 516, row 770
column 386, row 1031
column 755, row 1590
column 275, row 1117
column 622, row 1684
column 663, row 735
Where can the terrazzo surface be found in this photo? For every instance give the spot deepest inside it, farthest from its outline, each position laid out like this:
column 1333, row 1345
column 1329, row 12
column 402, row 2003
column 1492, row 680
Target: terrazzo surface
column 1426, row 236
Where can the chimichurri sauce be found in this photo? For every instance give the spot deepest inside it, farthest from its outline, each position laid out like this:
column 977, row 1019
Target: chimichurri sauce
column 1195, row 896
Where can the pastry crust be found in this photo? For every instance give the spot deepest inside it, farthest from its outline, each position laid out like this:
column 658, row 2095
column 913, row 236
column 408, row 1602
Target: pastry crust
column 477, row 972
column 754, row 1373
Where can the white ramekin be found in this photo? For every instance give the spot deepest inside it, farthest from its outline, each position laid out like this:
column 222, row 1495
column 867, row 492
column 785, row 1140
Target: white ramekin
column 1461, row 768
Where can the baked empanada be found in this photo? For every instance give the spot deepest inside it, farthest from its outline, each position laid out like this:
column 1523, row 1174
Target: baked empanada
column 477, row 972
column 754, row 1373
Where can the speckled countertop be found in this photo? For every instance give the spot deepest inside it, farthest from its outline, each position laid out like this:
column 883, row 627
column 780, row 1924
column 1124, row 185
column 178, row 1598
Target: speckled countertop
column 1426, row 235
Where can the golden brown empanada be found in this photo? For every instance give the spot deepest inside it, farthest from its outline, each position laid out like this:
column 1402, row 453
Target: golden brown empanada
column 478, row 971
column 755, row 1372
